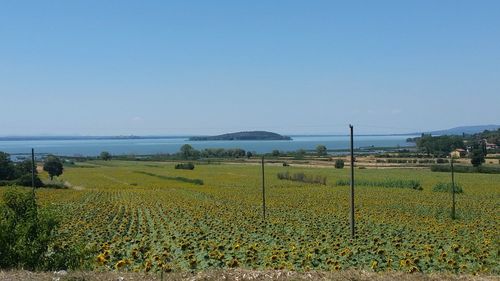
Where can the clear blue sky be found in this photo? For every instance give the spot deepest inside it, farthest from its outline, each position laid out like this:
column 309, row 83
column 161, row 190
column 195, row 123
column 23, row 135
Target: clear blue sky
column 206, row 67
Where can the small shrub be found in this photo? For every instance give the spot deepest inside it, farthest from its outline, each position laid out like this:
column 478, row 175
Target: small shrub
column 446, row 187
column 339, row 164
column 185, row 166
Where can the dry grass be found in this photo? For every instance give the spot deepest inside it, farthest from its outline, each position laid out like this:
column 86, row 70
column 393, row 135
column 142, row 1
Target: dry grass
column 236, row 275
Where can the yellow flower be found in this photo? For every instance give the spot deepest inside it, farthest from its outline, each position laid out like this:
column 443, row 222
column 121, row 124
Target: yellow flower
column 120, row 264
column 374, row 265
column 101, row 259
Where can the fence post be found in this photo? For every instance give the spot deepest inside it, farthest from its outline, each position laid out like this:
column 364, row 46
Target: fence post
column 33, row 169
column 263, row 191
column 453, row 213
column 352, row 184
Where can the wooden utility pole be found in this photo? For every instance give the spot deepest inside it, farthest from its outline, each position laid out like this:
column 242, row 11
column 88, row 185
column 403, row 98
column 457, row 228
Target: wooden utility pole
column 453, row 214
column 263, row 191
column 33, row 169
column 352, row 184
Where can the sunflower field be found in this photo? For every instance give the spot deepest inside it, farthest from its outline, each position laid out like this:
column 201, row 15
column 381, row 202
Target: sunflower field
column 138, row 216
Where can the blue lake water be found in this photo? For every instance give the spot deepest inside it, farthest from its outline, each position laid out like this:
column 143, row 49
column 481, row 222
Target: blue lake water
column 171, row 145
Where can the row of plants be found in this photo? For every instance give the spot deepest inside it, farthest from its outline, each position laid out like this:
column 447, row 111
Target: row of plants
column 180, row 179
column 390, row 183
column 302, row 177
column 466, row 169
column 414, row 161
column 447, row 187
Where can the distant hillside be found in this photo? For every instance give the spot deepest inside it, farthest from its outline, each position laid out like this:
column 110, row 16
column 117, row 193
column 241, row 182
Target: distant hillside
column 254, row 135
column 465, row 129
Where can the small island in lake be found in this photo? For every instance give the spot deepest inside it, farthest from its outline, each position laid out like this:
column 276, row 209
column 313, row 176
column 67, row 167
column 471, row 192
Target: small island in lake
column 254, row 135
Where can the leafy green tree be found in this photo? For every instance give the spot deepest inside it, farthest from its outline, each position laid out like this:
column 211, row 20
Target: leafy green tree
column 440, row 146
column 53, row 166
column 276, row 153
column 339, row 164
column 476, row 157
column 299, row 154
column 105, row 156
column 321, row 150
column 249, row 154
column 25, row 167
column 7, row 170
column 188, row 152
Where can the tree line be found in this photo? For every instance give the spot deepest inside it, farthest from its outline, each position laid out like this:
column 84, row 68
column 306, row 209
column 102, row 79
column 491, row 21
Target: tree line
column 20, row 173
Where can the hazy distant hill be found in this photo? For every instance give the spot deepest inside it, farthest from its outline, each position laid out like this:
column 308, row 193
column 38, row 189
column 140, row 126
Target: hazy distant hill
column 465, row 129
column 254, row 135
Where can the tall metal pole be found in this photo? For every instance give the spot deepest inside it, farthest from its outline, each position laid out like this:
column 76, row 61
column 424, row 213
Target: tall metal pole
column 33, row 169
column 352, row 183
column 263, row 191
column 453, row 190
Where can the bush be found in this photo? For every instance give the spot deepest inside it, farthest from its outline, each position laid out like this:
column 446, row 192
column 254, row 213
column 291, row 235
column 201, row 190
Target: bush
column 339, row 164
column 301, row 177
column 446, row 187
column 27, row 236
column 185, row 166
column 26, row 180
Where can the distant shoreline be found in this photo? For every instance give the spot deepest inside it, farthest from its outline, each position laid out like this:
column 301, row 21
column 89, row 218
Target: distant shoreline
column 69, row 138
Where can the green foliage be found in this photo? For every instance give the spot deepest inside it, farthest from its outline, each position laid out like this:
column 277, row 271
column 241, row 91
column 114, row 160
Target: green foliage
column 489, row 136
column 188, row 152
column 390, row 183
column 181, row 179
column 223, row 153
column 24, row 167
column 321, row 150
column 299, row 154
column 446, row 187
column 7, row 170
column 185, row 166
column 439, row 146
column 477, row 157
column 26, row 180
column 339, row 164
column 53, row 166
column 106, row 156
column 26, row 234
column 16, row 174
column 466, row 169
column 301, row 177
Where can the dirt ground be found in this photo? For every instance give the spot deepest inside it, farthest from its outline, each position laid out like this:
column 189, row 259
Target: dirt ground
column 237, row 275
